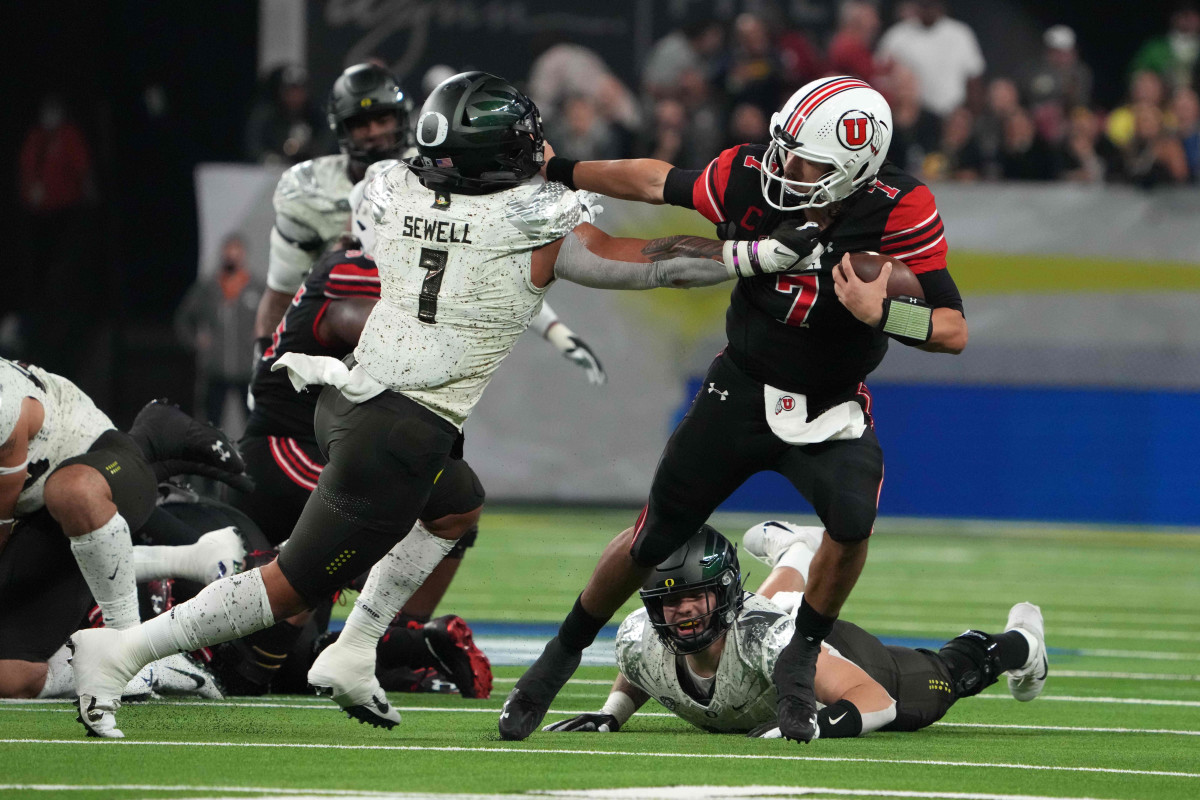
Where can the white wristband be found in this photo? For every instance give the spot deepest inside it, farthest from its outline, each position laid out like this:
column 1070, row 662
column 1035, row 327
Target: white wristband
column 14, row 470
column 620, row 705
column 559, row 335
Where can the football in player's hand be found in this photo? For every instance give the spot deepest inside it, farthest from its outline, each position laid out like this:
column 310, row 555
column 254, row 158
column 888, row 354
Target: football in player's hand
column 902, row 281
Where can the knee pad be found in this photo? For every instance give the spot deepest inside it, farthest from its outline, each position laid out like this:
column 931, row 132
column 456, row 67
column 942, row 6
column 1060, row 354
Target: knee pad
column 466, row 540
column 974, row 662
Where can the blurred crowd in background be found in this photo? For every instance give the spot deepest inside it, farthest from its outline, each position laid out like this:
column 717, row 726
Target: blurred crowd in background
column 102, row 159
column 711, row 84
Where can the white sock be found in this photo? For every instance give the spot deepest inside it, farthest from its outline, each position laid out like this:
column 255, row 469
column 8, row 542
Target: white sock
column 392, row 581
column 798, row 556
column 226, row 609
column 105, row 557
column 171, row 561
column 60, row 678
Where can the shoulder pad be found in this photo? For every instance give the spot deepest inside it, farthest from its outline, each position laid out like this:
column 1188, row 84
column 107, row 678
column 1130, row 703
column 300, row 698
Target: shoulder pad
column 549, row 212
column 320, row 185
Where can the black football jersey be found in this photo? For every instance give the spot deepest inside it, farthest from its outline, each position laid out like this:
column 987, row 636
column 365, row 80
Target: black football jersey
column 790, row 331
column 279, row 410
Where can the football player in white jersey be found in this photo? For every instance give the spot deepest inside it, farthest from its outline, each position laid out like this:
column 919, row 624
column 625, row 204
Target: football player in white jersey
column 468, row 240
column 370, row 115
column 707, row 651
column 64, row 467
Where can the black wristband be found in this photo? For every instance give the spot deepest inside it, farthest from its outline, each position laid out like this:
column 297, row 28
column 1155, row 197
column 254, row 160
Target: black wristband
column 841, row 720
column 561, row 170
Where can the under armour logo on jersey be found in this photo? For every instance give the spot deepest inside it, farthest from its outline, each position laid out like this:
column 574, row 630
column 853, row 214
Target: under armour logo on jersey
column 712, row 389
column 785, row 403
column 221, row 450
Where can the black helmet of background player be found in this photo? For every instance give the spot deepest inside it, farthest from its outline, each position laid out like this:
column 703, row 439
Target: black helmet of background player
column 706, row 565
column 478, row 133
column 361, row 93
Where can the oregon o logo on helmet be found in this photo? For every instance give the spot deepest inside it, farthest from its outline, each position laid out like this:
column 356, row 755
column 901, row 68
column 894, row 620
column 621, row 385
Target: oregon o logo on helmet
column 669, row 582
column 855, row 129
column 432, row 128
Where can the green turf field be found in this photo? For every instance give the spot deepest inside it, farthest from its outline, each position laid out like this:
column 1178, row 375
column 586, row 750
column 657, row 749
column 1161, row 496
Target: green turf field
column 1120, row 717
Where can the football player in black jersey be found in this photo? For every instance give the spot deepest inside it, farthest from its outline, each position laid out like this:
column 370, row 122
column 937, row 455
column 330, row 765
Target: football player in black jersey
column 800, row 343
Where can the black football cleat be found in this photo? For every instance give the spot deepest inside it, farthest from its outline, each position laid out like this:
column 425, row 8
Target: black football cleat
column 449, row 642
column 530, row 699
column 795, row 672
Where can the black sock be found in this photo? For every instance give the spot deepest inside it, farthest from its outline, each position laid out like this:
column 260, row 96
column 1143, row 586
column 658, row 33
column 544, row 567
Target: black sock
column 403, row 647
column 1013, row 649
column 812, row 624
column 580, row 628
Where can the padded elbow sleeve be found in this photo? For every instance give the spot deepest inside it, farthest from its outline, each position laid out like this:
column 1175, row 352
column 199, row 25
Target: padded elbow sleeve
column 288, row 264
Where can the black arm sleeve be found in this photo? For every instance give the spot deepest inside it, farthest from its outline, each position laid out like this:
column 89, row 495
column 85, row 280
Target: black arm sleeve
column 677, row 188
column 940, row 290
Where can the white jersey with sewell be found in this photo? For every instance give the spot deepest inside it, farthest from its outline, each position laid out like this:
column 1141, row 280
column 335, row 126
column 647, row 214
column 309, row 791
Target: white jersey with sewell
column 312, row 208
column 457, row 289
column 71, row 423
column 743, row 693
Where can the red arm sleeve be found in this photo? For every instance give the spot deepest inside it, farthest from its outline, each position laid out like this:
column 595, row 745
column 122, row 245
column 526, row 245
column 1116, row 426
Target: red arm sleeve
column 708, row 192
column 352, row 280
column 914, row 232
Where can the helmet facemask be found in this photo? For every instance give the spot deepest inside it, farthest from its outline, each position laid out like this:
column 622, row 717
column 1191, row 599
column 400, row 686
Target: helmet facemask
column 843, row 178
column 364, row 154
column 719, row 607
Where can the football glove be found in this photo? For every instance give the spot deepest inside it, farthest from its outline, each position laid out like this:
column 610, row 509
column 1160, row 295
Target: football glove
column 770, row 730
column 576, row 350
column 788, row 248
column 597, row 722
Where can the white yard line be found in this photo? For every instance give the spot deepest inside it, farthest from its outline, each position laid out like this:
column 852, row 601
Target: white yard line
column 936, row 628
column 608, row 753
column 636, row 793
column 1119, row 700
column 1126, row 676
column 1066, row 728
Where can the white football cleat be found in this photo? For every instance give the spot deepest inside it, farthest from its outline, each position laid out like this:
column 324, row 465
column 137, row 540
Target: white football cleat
column 220, row 553
column 141, row 687
column 1026, row 683
column 182, row 676
column 100, row 678
column 347, row 675
column 769, row 540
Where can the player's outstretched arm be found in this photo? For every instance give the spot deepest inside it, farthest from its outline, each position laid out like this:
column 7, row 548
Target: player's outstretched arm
column 271, row 308
column 623, row 701
column 640, row 179
column 590, row 257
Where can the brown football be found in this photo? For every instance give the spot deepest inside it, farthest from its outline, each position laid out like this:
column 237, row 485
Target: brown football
column 902, row 282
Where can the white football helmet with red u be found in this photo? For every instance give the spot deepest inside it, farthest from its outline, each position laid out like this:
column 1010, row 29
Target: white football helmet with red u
column 841, row 122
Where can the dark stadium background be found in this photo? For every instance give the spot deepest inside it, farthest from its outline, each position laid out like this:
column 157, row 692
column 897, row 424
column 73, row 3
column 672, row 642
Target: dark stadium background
column 102, row 56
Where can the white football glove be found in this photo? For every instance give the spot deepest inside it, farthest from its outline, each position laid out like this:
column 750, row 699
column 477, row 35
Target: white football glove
column 788, row 248
column 577, row 351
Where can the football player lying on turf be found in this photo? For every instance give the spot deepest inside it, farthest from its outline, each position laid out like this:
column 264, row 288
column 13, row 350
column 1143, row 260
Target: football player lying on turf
column 65, row 469
column 706, row 650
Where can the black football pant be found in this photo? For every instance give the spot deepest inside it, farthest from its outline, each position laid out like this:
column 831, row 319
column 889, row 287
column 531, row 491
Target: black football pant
column 918, row 680
column 391, row 462
column 723, row 440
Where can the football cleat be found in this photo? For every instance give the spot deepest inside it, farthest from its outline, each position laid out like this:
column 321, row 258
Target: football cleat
column 769, row 540
column 1027, row 682
column 449, row 642
column 141, row 687
column 422, row 680
column 181, row 675
column 219, row 554
column 100, row 678
column 530, row 699
column 346, row 675
column 795, row 673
